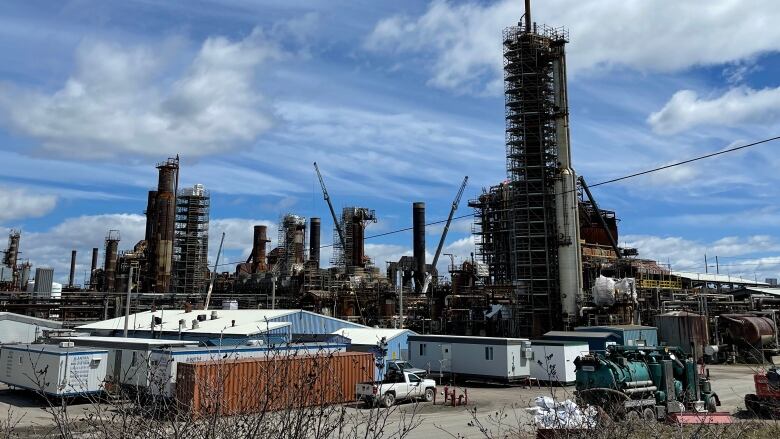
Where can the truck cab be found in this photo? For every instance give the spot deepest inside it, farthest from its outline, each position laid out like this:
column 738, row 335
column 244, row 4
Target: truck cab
column 398, row 366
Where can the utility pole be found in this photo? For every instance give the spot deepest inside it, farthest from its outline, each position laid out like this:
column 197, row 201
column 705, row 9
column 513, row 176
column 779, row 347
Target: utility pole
column 127, row 301
column 214, row 276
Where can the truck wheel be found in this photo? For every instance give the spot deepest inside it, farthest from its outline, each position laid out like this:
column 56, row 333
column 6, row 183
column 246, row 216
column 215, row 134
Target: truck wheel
column 648, row 414
column 633, row 417
column 711, row 405
column 753, row 404
column 388, row 400
column 429, row 395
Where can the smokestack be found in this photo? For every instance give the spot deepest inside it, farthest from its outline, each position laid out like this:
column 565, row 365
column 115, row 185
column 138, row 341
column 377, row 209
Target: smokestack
column 164, row 230
column 93, row 268
column 72, row 278
column 528, row 16
column 109, row 267
column 418, row 236
column 258, row 249
column 314, row 240
column 358, row 237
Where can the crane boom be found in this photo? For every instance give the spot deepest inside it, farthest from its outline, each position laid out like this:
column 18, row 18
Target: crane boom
column 455, row 203
column 330, row 206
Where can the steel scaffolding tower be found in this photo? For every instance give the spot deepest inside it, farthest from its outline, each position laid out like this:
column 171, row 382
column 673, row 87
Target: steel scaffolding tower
column 353, row 222
column 532, row 164
column 191, row 248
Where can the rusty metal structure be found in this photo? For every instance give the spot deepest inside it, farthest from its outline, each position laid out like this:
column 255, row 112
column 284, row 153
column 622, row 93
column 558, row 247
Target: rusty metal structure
column 292, row 244
column 10, row 270
column 160, row 228
column 110, row 264
column 315, row 226
column 352, row 253
column 72, row 276
column 258, row 256
column 190, row 257
column 93, row 269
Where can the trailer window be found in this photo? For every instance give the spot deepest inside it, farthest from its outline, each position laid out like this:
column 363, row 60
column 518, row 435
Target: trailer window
column 423, row 349
column 489, row 352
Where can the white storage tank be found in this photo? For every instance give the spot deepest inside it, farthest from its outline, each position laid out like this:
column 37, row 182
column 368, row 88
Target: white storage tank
column 472, row 358
column 554, row 360
column 55, row 370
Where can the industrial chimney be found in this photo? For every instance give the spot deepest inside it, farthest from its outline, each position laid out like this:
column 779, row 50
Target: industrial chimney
column 258, row 249
column 314, row 240
column 166, row 210
column 418, row 234
column 109, row 267
column 93, row 268
column 72, row 278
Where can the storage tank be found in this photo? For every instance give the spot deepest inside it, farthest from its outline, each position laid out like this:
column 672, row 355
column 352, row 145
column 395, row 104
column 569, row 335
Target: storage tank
column 749, row 329
column 683, row 329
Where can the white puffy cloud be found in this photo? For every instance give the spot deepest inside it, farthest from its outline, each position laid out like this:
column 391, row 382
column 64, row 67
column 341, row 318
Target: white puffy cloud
column 739, row 256
column 18, row 203
column 132, row 99
column 463, row 39
column 738, row 106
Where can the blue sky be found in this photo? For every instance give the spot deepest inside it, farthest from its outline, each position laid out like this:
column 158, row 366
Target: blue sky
column 396, row 101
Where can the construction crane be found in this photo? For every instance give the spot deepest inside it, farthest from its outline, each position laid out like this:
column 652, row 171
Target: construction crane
column 455, row 203
column 338, row 230
column 330, row 206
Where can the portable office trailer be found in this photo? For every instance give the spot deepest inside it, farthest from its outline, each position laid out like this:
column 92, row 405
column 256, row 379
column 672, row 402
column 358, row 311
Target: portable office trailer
column 630, row 335
column 597, row 341
column 54, row 370
column 553, row 360
column 163, row 362
column 464, row 357
column 128, row 358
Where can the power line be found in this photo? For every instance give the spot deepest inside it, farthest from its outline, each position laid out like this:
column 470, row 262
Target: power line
column 602, row 183
column 691, row 160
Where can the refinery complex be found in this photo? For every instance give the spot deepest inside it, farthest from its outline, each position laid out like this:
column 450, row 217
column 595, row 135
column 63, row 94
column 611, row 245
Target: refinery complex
column 547, row 272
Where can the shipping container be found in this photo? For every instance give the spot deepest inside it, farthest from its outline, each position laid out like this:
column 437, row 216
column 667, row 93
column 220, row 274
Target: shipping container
column 163, row 362
column 475, row 358
column 553, row 360
column 54, row 370
column 254, row 385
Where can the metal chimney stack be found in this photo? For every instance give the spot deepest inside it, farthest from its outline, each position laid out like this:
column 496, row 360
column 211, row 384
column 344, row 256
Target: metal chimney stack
column 109, row 267
column 258, row 249
column 72, row 278
column 315, row 225
column 93, row 268
column 418, row 233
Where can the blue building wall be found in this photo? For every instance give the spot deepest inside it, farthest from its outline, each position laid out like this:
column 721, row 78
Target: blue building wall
column 397, row 349
column 305, row 322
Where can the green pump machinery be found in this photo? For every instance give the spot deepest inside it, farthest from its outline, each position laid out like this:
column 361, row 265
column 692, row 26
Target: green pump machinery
column 638, row 381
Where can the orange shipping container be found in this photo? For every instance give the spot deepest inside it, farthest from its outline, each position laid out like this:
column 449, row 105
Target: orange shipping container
column 287, row 381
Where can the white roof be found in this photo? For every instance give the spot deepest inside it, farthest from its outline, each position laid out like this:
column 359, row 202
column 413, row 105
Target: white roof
column 247, row 321
column 129, row 340
column 722, row 278
column 30, row 320
column 370, row 336
column 770, row 291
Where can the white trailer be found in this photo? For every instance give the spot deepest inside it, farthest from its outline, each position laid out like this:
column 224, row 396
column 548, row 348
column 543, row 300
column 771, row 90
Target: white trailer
column 554, row 360
column 54, row 370
column 128, row 358
column 163, row 362
column 472, row 358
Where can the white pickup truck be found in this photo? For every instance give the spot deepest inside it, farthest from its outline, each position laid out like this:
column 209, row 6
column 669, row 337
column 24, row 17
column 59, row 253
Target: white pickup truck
column 395, row 387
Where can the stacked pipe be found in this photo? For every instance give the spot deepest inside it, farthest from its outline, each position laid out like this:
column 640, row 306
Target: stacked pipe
column 418, row 233
column 109, row 267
